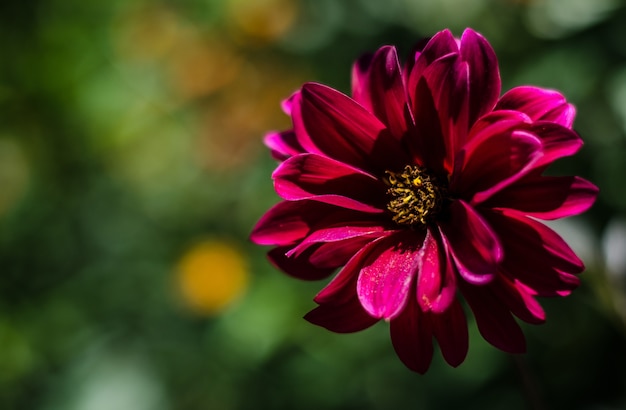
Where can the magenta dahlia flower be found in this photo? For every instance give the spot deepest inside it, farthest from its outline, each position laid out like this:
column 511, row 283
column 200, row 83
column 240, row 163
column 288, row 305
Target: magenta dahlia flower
column 425, row 187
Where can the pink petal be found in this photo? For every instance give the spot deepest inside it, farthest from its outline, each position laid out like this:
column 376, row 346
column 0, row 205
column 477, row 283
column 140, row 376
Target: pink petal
column 311, row 176
column 347, row 132
column 495, row 322
column 498, row 122
column 335, row 254
column 346, row 317
column 384, row 281
column 557, row 141
column 436, row 283
column 337, row 234
column 411, row 335
column 299, row 267
column 450, row 329
column 494, row 162
column 283, row 144
column 388, row 95
column 540, row 104
column 472, row 243
column 484, row 81
column 547, row 197
column 360, row 81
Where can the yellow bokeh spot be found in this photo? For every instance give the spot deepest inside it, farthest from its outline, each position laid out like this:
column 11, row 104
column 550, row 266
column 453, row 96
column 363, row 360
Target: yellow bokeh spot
column 264, row 20
column 211, row 275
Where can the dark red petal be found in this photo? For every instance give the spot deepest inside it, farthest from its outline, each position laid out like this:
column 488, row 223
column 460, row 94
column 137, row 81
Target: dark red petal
column 546, row 197
column 411, row 335
column 494, row 320
column 484, row 81
column 519, row 299
column 494, row 162
column 343, row 286
column 388, row 93
column 283, row 144
column 335, row 254
column 385, row 279
column 539, row 104
column 347, row 132
column 448, row 80
column 439, row 45
column 450, row 329
column 472, row 243
column 498, row 122
column 311, row 176
column 427, row 148
column 436, row 283
column 346, row 317
column 299, row 267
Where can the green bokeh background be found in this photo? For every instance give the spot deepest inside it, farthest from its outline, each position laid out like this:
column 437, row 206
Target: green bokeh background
column 131, row 130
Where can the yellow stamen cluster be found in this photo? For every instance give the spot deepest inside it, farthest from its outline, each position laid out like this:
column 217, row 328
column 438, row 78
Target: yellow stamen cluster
column 416, row 195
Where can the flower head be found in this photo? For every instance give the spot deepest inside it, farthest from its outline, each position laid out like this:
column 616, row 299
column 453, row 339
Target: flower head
column 425, row 188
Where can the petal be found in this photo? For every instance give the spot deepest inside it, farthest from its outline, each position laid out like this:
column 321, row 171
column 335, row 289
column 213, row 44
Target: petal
column 539, row 104
column 299, row 267
column 346, row 317
column 484, row 76
column 344, row 130
column 290, row 221
column 335, row 254
column 436, row 283
column 546, row 197
column 519, row 299
column 472, row 243
column 450, row 329
column 495, row 322
column 389, row 100
column 494, row 162
column 384, row 281
column 283, row 144
column 441, row 44
column 411, row 335
column 448, row 80
column 343, row 286
column 338, row 234
column 311, row 176
column 557, row 141
column 360, row 81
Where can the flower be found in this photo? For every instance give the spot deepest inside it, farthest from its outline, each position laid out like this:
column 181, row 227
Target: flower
column 425, row 188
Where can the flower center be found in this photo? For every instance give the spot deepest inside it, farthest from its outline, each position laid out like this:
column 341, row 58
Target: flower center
column 416, row 195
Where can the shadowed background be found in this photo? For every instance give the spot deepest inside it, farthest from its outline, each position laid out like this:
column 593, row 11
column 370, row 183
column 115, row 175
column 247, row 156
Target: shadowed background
column 132, row 171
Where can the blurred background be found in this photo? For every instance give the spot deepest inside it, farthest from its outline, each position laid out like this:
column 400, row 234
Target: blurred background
column 132, row 171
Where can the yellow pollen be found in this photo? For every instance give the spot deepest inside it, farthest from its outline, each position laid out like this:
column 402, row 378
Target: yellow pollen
column 415, row 195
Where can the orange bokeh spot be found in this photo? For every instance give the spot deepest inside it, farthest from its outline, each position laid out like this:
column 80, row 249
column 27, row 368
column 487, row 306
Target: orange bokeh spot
column 211, row 275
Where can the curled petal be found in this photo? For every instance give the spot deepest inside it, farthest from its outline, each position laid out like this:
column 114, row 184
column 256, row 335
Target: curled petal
column 311, row 176
column 556, row 140
column 472, row 243
column 389, row 100
column 494, row 162
column 519, row 299
column 337, row 234
column 283, row 144
column 384, row 281
column 411, row 335
column 540, row 104
column 484, row 76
